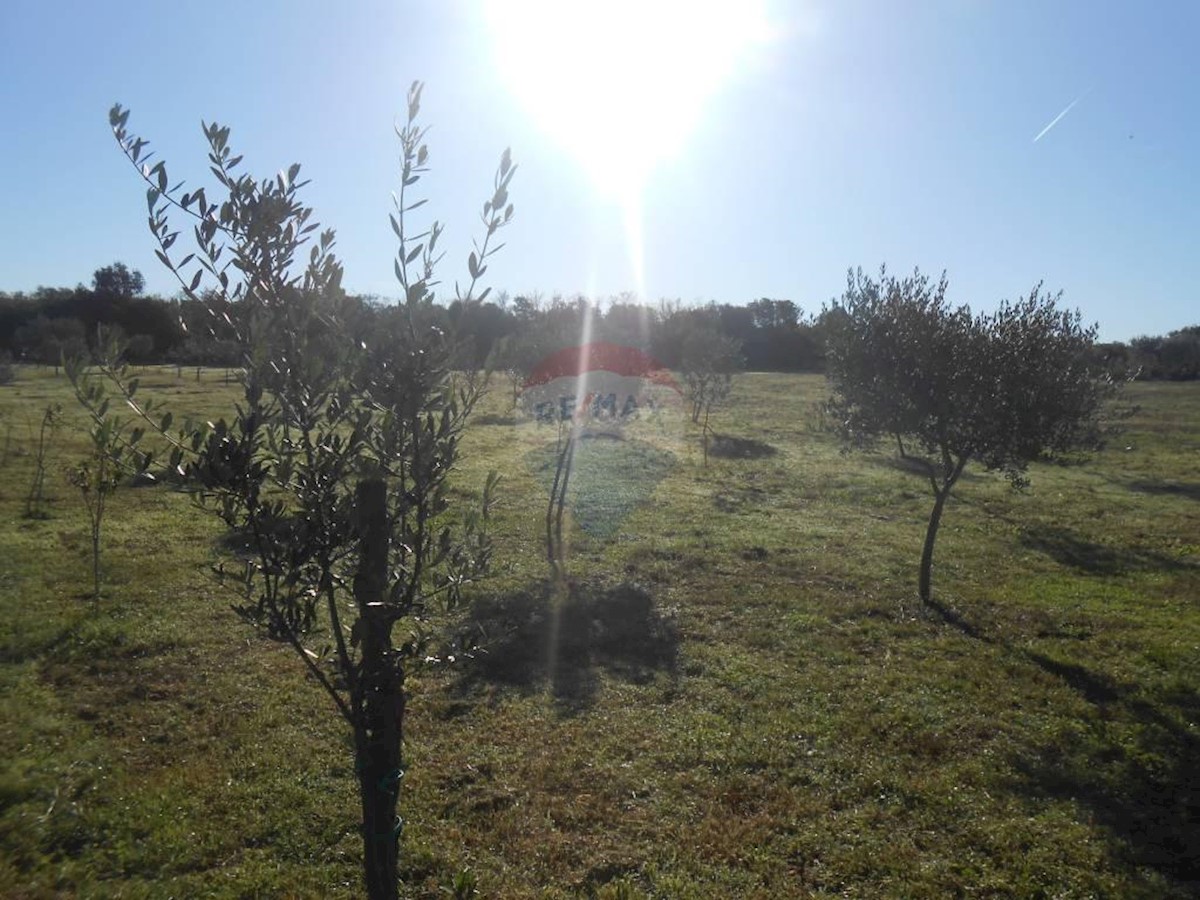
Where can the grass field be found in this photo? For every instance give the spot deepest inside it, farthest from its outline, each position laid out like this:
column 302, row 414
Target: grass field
column 742, row 699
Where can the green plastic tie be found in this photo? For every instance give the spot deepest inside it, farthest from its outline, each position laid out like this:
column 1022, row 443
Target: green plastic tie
column 390, row 780
column 393, row 834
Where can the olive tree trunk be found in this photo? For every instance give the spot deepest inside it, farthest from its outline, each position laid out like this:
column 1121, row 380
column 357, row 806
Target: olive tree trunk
column 941, row 493
column 379, row 706
column 558, row 499
column 935, row 519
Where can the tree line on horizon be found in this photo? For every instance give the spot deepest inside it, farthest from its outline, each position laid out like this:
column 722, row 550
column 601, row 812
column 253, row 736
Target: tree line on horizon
column 52, row 323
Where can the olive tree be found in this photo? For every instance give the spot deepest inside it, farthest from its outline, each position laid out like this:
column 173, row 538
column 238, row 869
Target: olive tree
column 708, row 361
column 998, row 389
column 516, row 355
column 35, row 500
column 114, row 452
column 97, row 477
column 333, row 468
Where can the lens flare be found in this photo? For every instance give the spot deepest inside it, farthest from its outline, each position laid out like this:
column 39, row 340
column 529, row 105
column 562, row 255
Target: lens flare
column 620, row 84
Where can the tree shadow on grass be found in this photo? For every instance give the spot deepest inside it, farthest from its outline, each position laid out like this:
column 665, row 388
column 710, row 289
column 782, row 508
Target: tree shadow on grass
column 30, row 644
column 494, row 419
column 1092, row 558
column 1190, row 490
column 566, row 638
column 726, row 446
column 1136, row 771
column 954, row 618
column 917, row 466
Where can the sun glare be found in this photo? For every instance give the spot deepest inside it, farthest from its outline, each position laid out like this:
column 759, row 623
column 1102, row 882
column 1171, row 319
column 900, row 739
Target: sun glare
column 621, row 84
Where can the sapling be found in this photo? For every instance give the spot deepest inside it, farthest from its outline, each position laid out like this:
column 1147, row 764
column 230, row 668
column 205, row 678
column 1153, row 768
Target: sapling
column 335, row 465
column 114, row 452
column 97, row 477
column 709, row 361
column 35, row 500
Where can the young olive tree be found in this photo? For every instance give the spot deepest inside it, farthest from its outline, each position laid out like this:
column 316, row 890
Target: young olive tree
column 334, row 466
column 97, row 477
column 708, row 361
column 35, row 500
column 1000, row 389
column 115, row 438
column 515, row 356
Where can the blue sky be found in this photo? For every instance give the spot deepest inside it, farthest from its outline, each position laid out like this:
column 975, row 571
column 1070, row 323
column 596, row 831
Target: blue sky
column 860, row 133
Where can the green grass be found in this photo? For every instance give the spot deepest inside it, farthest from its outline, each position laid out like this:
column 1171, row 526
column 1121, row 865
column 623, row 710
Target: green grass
column 740, row 698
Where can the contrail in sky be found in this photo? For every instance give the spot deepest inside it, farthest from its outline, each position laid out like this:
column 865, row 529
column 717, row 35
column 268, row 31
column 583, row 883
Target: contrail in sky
column 1059, row 117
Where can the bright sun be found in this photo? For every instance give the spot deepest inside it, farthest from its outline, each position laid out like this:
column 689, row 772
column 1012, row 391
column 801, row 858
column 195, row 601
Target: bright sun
column 620, row 83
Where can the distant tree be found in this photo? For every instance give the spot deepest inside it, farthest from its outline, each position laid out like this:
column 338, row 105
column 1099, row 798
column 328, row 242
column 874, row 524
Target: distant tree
column 118, row 280
column 802, row 348
column 206, row 351
column 562, row 321
column 16, row 310
column 1180, row 354
column 774, row 314
column 479, row 326
column 627, row 322
column 1001, row 389
column 736, row 322
column 784, row 340
column 49, row 341
column 672, row 323
column 335, row 467
column 526, row 307
column 1175, row 357
column 153, row 319
column 140, row 349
